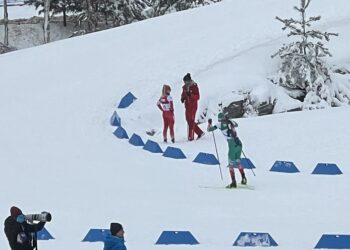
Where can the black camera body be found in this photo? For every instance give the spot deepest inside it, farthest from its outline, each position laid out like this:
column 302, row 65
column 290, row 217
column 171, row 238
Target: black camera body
column 43, row 217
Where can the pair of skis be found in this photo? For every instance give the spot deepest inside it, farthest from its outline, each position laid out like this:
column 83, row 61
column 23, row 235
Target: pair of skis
column 239, row 186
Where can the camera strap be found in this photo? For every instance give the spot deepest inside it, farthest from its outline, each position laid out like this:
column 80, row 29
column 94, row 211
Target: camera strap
column 35, row 241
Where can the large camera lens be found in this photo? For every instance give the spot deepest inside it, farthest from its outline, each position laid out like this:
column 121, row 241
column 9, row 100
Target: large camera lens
column 48, row 216
column 44, row 217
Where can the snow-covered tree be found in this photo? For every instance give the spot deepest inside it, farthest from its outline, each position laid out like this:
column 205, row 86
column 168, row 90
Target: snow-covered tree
column 129, row 11
column 91, row 13
column 162, row 7
column 303, row 70
column 107, row 8
column 65, row 7
column 57, row 7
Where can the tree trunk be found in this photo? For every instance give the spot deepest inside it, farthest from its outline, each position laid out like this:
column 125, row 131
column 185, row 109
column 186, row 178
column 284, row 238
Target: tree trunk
column 303, row 24
column 6, row 21
column 47, row 22
column 64, row 14
column 106, row 16
column 88, row 15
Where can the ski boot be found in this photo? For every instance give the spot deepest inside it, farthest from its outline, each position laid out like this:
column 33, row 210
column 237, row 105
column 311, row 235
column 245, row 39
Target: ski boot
column 233, row 184
column 200, row 135
column 173, row 140
column 165, row 140
column 244, row 181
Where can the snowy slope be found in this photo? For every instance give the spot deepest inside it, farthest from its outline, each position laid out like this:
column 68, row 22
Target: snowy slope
column 58, row 152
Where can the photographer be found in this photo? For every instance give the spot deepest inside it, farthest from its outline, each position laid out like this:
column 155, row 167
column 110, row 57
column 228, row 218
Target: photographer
column 19, row 232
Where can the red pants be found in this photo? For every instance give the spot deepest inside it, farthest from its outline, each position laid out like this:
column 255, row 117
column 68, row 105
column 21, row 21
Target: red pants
column 232, row 171
column 168, row 119
column 192, row 125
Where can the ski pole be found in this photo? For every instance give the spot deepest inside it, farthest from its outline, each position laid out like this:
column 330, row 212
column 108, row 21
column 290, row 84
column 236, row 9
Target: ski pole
column 217, row 155
column 251, row 167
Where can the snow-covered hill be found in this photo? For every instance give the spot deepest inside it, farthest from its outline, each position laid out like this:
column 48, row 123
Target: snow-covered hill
column 58, row 152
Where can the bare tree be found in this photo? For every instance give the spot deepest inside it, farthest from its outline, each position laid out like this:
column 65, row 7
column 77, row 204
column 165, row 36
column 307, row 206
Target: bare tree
column 47, row 21
column 6, row 21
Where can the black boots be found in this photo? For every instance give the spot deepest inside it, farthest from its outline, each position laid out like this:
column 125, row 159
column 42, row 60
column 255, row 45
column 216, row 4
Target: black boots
column 233, row 184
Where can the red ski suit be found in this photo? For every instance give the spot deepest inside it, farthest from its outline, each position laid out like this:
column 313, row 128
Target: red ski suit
column 165, row 104
column 190, row 97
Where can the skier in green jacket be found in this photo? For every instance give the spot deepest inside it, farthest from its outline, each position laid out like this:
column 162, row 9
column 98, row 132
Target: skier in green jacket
column 227, row 128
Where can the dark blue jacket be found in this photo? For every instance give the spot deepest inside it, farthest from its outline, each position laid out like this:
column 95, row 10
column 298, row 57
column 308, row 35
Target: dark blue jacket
column 114, row 243
column 13, row 228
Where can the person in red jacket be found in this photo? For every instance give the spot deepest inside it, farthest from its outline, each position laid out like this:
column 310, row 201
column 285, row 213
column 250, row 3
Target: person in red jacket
column 166, row 105
column 190, row 97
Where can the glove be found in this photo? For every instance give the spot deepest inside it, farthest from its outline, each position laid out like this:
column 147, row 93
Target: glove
column 210, row 121
column 182, row 100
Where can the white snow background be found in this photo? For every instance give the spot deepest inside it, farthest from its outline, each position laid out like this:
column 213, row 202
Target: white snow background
column 58, row 152
column 17, row 12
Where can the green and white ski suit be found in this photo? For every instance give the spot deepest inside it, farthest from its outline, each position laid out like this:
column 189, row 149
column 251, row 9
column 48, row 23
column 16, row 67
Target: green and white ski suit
column 227, row 128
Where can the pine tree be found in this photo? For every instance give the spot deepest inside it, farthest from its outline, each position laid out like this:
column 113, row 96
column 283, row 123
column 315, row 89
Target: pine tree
column 303, row 70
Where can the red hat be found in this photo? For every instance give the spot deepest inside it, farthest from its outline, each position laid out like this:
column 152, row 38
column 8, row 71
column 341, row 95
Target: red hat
column 15, row 211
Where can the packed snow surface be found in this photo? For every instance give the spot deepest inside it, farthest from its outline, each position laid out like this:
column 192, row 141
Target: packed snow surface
column 59, row 154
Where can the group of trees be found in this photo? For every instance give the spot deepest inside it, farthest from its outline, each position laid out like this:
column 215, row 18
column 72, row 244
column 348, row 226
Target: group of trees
column 303, row 71
column 91, row 13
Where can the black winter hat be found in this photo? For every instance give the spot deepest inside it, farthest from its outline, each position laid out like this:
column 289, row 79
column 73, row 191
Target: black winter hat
column 115, row 228
column 187, row 77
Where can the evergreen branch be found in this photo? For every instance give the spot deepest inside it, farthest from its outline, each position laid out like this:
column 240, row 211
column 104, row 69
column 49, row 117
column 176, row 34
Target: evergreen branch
column 320, row 46
column 281, row 50
column 293, row 33
column 327, row 35
column 296, row 8
column 314, row 19
column 307, row 4
column 287, row 22
column 315, row 34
